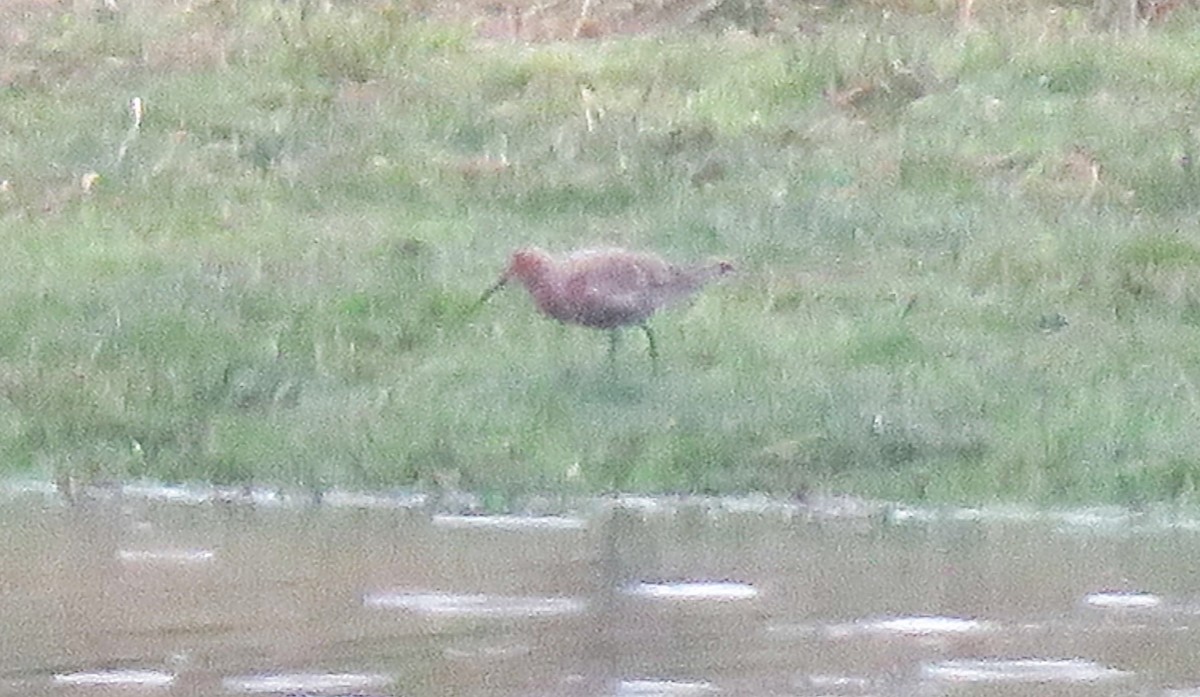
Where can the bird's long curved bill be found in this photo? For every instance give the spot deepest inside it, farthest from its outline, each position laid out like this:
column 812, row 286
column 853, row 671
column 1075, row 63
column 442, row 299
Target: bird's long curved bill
column 492, row 291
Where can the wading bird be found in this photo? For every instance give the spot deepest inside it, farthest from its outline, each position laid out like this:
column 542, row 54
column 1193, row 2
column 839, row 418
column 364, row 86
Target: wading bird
column 604, row 288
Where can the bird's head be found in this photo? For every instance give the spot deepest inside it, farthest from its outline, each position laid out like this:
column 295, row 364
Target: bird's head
column 526, row 265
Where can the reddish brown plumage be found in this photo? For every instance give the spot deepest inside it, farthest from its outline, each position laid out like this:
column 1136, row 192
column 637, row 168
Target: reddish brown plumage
column 604, row 288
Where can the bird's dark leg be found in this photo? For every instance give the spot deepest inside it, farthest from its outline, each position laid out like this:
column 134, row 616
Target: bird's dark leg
column 653, row 348
column 614, row 338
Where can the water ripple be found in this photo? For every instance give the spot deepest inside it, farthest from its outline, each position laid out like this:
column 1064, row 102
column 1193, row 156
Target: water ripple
column 473, row 605
column 116, row 678
column 306, row 683
column 1027, row 670
column 695, row 590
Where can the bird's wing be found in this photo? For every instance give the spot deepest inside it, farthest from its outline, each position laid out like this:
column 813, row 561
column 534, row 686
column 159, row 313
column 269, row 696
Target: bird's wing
column 613, row 291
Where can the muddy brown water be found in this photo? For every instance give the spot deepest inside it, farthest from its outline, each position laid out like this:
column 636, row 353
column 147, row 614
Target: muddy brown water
column 170, row 593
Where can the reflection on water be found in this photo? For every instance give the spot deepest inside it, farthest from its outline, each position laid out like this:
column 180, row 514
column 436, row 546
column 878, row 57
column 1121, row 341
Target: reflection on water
column 165, row 556
column 116, row 678
column 1123, row 600
column 661, row 688
column 510, row 522
column 694, row 590
column 307, row 683
column 918, row 626
column 474, row 605
column 192, row 591
column 1028, row 670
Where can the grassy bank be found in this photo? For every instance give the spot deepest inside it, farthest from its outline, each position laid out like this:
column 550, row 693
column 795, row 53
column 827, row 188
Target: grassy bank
column 968, row 260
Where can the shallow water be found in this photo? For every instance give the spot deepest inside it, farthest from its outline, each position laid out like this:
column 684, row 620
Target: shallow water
column 148, row 590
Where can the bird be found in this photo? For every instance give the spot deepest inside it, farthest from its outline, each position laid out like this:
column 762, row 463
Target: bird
column 605, row 289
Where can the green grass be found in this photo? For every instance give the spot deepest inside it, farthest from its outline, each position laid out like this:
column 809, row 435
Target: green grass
column 978, row 278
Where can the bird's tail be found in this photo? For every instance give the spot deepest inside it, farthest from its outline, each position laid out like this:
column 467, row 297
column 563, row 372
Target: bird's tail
column 688, row 280
column 716, row 269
